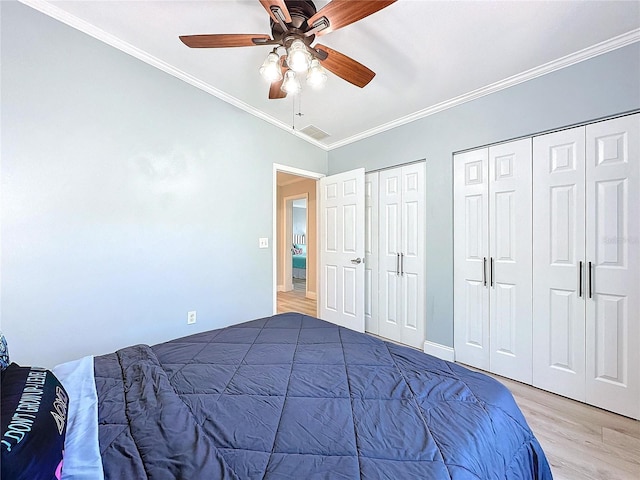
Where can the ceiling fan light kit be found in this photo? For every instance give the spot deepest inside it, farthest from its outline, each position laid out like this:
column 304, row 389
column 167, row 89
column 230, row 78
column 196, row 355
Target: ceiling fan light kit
column 270, row 69
column 294, row 26
column 291, row 84
column 298, row 58
column 316, row 77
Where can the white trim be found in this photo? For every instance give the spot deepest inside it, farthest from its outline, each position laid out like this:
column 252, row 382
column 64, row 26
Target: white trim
column 277, row 167
column 441, row 351
column 568, row 60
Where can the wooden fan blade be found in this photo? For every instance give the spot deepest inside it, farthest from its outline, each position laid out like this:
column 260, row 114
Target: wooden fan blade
column 340, row 13
column 275, row 90
column 267, row 4
column 222, row 40
column 346, row 68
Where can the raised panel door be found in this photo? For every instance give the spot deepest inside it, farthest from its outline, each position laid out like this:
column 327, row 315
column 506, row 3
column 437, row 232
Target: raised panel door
column 371, row 253
column 613, row 256
column 510, row 262
column 412, row 266
column 342, row 249
column 471, row 252
column 390, row 247
column 558, row 267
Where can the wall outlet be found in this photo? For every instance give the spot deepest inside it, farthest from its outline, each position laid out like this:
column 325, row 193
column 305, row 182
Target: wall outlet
column 191, row 317
column 263, row 242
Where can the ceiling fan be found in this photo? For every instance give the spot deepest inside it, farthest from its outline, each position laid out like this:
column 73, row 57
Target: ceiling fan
column 294, row 26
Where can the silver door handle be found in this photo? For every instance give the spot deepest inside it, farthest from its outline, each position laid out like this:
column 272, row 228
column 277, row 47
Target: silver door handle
column 491, row 271
column 484, row 271
column 580, row 280
column 590, row 281
column 356, row 261
column 402, row 264
column 397, row 264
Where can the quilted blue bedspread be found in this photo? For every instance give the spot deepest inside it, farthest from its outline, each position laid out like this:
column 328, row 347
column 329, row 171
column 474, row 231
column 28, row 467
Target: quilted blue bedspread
column 293, row 397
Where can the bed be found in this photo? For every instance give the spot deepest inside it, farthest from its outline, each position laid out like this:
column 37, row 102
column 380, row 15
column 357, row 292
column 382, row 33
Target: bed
column 299, row 261
column 299, row 256
column 290, row 397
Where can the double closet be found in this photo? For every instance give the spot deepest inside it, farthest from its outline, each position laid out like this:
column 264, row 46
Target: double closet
column 394, row 254
column 547, row 262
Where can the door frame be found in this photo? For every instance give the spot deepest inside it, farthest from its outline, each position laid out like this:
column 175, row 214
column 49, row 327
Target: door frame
column 302, row 173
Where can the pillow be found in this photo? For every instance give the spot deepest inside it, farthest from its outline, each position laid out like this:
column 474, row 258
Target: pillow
column 4, row 352
column 34, row 421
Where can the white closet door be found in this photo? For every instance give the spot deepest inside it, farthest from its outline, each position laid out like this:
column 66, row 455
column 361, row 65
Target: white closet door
column 510, row 250
column 613, row 249
column 412, row 326
column 371, row 253
column 471, row 252
column 389, row 244
column 558, row 250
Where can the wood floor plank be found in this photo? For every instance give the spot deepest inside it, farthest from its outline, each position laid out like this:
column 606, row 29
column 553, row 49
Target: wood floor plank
column 581, row 442
column 296, row 301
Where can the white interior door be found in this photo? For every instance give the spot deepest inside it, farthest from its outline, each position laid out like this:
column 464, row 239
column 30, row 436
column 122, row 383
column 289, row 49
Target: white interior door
column 390, row 247
column 471, row 252
column 342, row 200
column 613, row 265
column 559, row 253
column 412, row 265
column 371, row 253
column 510, row 269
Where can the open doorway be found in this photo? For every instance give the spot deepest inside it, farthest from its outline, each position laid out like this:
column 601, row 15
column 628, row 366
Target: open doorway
column 296, row 212
column 296, row 240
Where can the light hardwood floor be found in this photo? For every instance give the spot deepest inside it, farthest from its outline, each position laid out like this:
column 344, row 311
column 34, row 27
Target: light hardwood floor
column 581, row 442
column 295, row 301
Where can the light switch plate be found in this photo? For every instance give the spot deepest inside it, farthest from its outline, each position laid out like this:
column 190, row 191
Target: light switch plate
column 263, row 242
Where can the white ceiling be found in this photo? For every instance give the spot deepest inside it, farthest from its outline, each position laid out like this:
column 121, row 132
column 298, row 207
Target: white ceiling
column 428, row 55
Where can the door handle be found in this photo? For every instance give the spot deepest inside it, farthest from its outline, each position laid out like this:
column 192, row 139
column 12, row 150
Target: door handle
column 397, row 264
column 484, row 271
column 356, row 261
column 580, row 280
column 590, row 281
column 402, row 264
column 491, row 270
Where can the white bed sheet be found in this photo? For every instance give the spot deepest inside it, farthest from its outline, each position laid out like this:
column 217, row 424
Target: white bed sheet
column 82, row 459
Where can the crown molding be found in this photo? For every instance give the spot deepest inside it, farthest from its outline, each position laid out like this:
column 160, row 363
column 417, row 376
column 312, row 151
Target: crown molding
column 614, row 43
column 53, row 11
column 576, row 57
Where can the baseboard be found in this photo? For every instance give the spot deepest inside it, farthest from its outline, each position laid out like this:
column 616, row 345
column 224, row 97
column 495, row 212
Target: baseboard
column 440, row 351
column 281, row 288
column 312, row 295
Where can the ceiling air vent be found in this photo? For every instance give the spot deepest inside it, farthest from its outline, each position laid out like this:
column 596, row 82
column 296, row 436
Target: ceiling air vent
column 314, row 132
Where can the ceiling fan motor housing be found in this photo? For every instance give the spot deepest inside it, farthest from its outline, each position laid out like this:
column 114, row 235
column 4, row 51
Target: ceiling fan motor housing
column 300, row 11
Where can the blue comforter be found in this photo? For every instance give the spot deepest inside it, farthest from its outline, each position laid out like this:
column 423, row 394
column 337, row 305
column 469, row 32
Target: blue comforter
column 295, row 397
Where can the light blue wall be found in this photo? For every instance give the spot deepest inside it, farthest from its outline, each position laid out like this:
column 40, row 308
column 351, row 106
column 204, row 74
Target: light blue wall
column 127, row 198
column 299, row 220
column 602, row 86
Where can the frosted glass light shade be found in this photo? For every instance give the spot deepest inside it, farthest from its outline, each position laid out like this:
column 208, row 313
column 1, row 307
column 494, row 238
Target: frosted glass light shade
column 298, row 58
column 270, row 69
column 317, row 77
column 291, row 85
